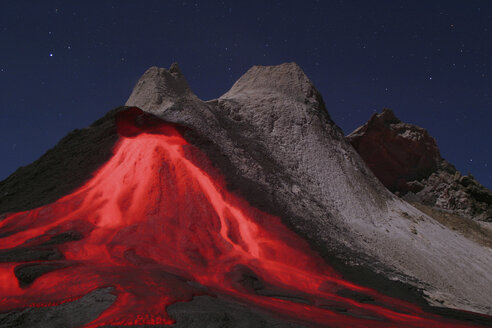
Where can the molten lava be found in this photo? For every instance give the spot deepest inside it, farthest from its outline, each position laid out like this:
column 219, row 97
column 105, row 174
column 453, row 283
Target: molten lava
column 156, row 217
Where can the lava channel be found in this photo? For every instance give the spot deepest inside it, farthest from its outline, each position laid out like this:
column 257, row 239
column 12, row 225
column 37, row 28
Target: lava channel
column 153, row 219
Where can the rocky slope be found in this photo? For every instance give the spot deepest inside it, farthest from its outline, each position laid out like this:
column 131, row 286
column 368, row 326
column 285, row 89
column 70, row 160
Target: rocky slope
column 406, row 159
column 61, row 169
column 272, row 138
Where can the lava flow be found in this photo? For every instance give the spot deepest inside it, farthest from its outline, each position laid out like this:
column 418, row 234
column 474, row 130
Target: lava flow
column 157, row 223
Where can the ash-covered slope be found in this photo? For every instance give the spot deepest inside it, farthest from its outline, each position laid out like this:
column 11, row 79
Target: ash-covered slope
column 407, row 161
column 274, row 139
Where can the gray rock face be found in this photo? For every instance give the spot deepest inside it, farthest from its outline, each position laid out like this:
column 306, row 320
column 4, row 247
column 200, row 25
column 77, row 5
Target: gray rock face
column 272, row 136
column 405, row 158
column 165, row 88
column 460, row 194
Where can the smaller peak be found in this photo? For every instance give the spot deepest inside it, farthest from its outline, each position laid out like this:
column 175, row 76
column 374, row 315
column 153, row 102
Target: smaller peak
column 174, row 69
column 397, row 152
column 378, row 121
column 387, row 116
column 159, row 89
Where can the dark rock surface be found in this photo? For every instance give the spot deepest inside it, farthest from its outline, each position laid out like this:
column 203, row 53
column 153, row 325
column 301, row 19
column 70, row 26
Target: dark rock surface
column 396, row 152
column 61, row 169
column 206, row 311
column 201, row 312
column 28, row 272
column 406, row 159
column 68, row 315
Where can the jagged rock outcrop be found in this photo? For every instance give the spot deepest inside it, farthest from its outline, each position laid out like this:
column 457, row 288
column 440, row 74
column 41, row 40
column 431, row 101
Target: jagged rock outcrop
column 406, row 159
column 397, row 153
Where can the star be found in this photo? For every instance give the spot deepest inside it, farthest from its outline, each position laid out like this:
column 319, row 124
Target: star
column 51, row 54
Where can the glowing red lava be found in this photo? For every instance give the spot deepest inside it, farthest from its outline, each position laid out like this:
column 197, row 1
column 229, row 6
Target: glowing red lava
column 151, row 219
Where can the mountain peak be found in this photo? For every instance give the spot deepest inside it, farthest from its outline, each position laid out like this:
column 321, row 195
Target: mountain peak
column 287, row 79
column 387, row 117
column 395, row 151
column 174, row 69
column 160, row 89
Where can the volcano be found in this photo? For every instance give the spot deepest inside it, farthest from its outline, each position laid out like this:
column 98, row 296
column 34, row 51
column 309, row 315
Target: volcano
column 250, row 210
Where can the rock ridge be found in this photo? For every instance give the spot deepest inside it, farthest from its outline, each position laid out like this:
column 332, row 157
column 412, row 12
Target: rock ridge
column 406, row 159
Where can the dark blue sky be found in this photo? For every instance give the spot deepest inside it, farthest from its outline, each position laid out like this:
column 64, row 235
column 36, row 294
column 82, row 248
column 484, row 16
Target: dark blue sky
column 64, row 64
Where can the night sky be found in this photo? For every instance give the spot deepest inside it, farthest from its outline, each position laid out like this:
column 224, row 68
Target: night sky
column 63, row 65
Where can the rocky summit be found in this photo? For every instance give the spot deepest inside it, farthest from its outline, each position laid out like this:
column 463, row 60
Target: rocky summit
column 248, row 210
column 406, row 159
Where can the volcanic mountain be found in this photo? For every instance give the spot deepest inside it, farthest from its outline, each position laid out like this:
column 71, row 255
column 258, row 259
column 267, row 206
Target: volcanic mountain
column 250, row 210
